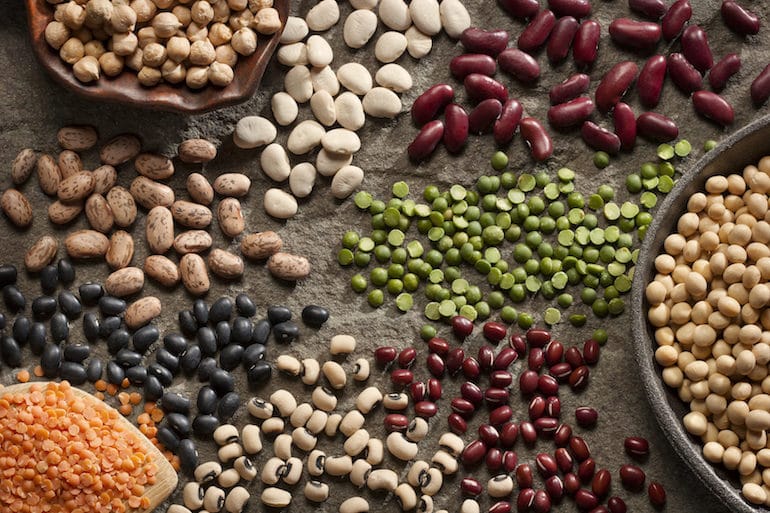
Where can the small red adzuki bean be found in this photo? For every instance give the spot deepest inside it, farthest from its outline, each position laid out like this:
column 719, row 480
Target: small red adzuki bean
column 385, row 354
column 496, row 396
column 553, row 407
column 537, row 337
column 714, row 107
column 471, row 487
column 585, row 500
column 528, row 432
column 489, row 435
column 437, row 344
column 454, row 360
column 509, row 461
column 434, row 389
column 637, row 446
column 657, row 494
column 462, row 407
column 500, row 507
column 520, row 64
column 650, row 82
column 600, row 484
column 554, row 487
column 486, row 357
column 586, row 416
column 696, row 49
column 570, row 89
column 599, row 139
column 586, row 43
column 483, row 117
column 739, row 19
column 461, row 326
column 683, row 74
column 473, row 453
column 525, row 499
column 426, row 141
column 465, row 64
column 509, row 432
column 591, row 351
column 402, row 376
column 586, row 469
column 536, row 407
column 625, row 125
column 652, row 9
column 614, row 84
column 579, row 448
column 524, row 475
column 517, row 342
column 632, row 477
column 457, row 424
column 501, row 378
column 563, row 459
column 494, row 331
column 406, row 357
column 418, row 390
column 536, row 359
column 554, row 352
column 675, row 18
column 494, row 459
column 760, row 87
column 436, row 365
column 571, row 113
column 470, row 391
column 548, row 385
column 616, row 505
column 490, row 42
column 638, row 35
column 546, row 427
column 503, row 360
column 500, row 415
column 522, row 9
column 481, row 87
column 528, row 381
column 429, row 104
column 538, row 140
column 537, row 31
column 576, row 8
column 561, row 371
column 578, row 380
column 561, row 38
column 574, row 357
column 506, row 125
column 571, row 484
column 728, row 66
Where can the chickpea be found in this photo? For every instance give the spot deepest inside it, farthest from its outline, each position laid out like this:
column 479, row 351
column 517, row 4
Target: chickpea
column 183, row 14
column 124, row 44
column 202, row 53
column 73, row 15
column 178, row 48
column 111, row 64
column 173, row 72
column 86, row 69
column 196, row 32
column 220, row 74
column 123, row 19
column 244, row 41
column 267, row 20
column 256, row 5
column 144, row 9
column 134, row 61
column 146, row 36
column 237, row 5
column 154, row 55
column 202, row 12
column 83, row 34
column 56, row 34
column 244, row 19
column 149, row 76
column 226, row 55
column 98, row 12
column 165, row 25
column 220, row 34
column 221, row 12
column 164, row 4
column 72, row 51
column 197, row 77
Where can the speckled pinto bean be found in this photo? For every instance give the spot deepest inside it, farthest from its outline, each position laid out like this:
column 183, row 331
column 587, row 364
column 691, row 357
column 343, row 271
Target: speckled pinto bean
column 739, row 19
column 522, row 9
column 576, row 8
column 570, row 89
column 652, row 9
column 463, row 65
column 675, row 18
column 650, row 82
column 728, row 66
column 520, row 64
column 713, row 107
column 683, row 74
column 537, row 31
column 696, row 49
column 429, row 104
column 506, row 125
column 656, row 127
column 571, row 113
column 600, row 138
column 561, row 38
column 481, row 87
column 637, row 35
column 625, row 125
column 426, row 141
column 538, row 140
column 490, row 42
column 483, row 117
column 760, row 87
column 586, row 43
column 455, row 128
column 614, row 84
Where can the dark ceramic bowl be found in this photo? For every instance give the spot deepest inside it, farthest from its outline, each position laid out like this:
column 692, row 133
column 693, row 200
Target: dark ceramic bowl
column 126, row 89
column 745, row 146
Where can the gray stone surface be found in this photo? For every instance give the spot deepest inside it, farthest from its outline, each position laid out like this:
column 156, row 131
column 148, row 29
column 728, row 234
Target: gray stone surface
column 32, row 107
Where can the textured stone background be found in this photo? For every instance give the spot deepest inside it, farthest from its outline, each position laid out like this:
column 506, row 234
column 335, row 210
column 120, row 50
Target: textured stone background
column 32, row 107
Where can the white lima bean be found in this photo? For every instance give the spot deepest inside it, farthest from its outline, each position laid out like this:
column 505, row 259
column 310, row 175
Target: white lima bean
column 425, row 16
column 347, row 180
column 319, row 52
column 324, row 79
column 295, row 30
column 454, row 18
column 390, row 46
column 360, row 26
column 395, row 14
column 302, row 179
column 280, row 204
column 394, row 77
column 298, row 84
column 382, row 103
column 327, row 164
column 355, row 78
column 417, row 44
column 305, row 137
column 294, row 54
column 341, row 141
column 349, row 111
column 322, row 105
column 323, row 16
column 275, row 162
column 253, row 132
column 285, row 109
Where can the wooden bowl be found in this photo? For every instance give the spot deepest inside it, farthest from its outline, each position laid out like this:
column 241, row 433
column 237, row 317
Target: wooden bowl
column 126, row 89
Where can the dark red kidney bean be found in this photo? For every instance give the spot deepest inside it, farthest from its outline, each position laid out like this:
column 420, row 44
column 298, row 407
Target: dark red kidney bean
column 650, row 82
column 616, row 505
column 486, row 357
column 525, row 500
column 656, row 128
column 418, row 390
column 425, row 409
column 503, row 360
column 471, row 392
column 471, row 368
column 546, row 426
column 571, row 113
column 426, row 141
column 494, row 331
column 560, row 371
column 675, row 18
column 500, row 415
column 536, row 408
column 500, row 507
column 489, row 435
column 528, row 432
column 586, row 416
column 560, row 40
column 586, row 43
column 538, row 140
column 579, row 448
column 625, row 125
column 632, row 477
column 521, row 9
column 591, row 351
column 574, row 357
column 535, row 359
column 473, row 453
column 435, row 365
column 576, row 8
column 494, row 459
column 521, row 65
column 509, row 461
column 728, row 66
column 481, row 87
column 406, row 357
column 570, row 89
column 760, row 87
column 509, row 432
column 528, row 381
column 537, row 337
column 462, row 407
column 518, row 343
column 454, row 360
column 657, row 494
column 571, row 484
column 546, row 465
column 465, row 64
column 401, row 377
column 541, row 502
column 471, row 487
column 563, row 459
column 496, row 396
column 506, row 125
column 489, row 42
column 600, row 484
column 636, row 446
column 554, row 487
column 434, row 389
column 537, row 31
column 637, row 35
column 386, row 354
column 548, row 385
column 614, row 84
column 585, row 500
column 578, row 380
column 586, row 469
column 554, row 352
column 524, row 476
column 713, row 107
column 562, row 435
column 455, row 128
column 439, row 346
column 552, row 407
column 696, row 49
column 457, row 424
column 396, row 422
column 739, row 19
column 461, row 326
column 652, row 9
column 600, row 138
column 429, row 104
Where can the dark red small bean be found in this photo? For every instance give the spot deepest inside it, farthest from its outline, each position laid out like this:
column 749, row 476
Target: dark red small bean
column 537, row 337
column 574, row 357
column 760, row 87
column 579, row 448
column 528, row 432
column 401, row 377
column 554, row 487
column 713, row 107
column 461, row 326
column 652, row 9
column 496, row 396
column 548, row 385
column 552, row 407
column 521, row 9
column 586, row 469
column 494, row 331
column 509, row 461
column 429, row 104
column 486, row 357
column 481, row 87
column 571, row 113
column 535, row 359
column 546, row 465
column 541, row 503
column 570, row 89
column 489, row 42
column 471, row 392
column 563, row 459
column 560, row 371
column 600, row 138
column 471, row 487
column 528, row 381
column 656, row 127
column 599, row 509
column 614, row 84
column 489, row 435
column 435, row 365
column 425, row 409
column 728, row 66
column 500, row 415
column 503, row 360
column 434, row 389
column 562, row 435
column 471, row 368
column 396, row 422
column 500, row 507
column 585, row 46
column 577, row 8
column 525, row 500
column 494, row 459
column 657, row 494
column 675, row 18
column 521, row 65
column 585, row 500
column 637, row 446
column 578, row 380
column 407, row 357
column 571, row 484
column 554, row 352
column 418, row 391
column 384, row 355
column 632, row 477
column 696, row 49
column 506, row 125
column 456, row 127
column 509, row 432
column 601, row 482
column 457, row 424
column 586, row 416
column 739, row 19
column 473, row 453
column 462, row 407
column 518, row 343
column 465, row 64
column 650, row 82
column 439, row 346
column 536, row 407
column 561, row 38
column 591, row 351
column 546, row 426
column 484, row 116
column 537, row 31
column 454, row 360
column 426, row 141
column 524, row 476
column 625, row 125
column 616, row 505
column 538, row 140
column 637, row 35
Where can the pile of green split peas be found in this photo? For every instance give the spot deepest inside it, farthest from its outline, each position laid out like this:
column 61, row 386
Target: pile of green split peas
column 525, row 235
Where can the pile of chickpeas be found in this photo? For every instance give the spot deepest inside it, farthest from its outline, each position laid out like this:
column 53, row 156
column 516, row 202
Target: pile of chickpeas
column 174, row 41
column 709, row 306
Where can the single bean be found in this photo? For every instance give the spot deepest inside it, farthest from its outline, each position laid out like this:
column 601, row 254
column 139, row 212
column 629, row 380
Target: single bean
column 650, row 82
column 600, row 138
column 760, row 87
column 429, row 104
column 456, row 128
column 522, row 9
column 656, row 127
column 490, row 42
column 653, row 9
column 575, row 8
column 683, row 74
column 614, row 84
column 520, row 64
column 714, row 107
column 728, row 66
column 465, row 64
column 586, row 43
column 657, row 494
column 638, row 35
column 506, row 125
column 739, row 19
column 675, row 18
column 426, row 141
column 538, row 140
column 481, row 87
column 625, row 125
column 696, row 49
column 571, row 113
column 569, row 89
column 561, row 38
column 537, row 31
column 483, row 117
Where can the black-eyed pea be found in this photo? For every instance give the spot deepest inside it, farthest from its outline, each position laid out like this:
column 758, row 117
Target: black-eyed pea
column 316, row 462
column 375, row 451
column 417, row 430
column 226, row 434
column 228, row 478
column 275, row 497
column 395, row 401
column 245, row 468
column 304, row 439
column 500, row 486
column 361, row 370
column 432, row 482
column 368, row 399
column 353, row 504
column 213, row 499
column 311, row 370
column 338, row 466
column 351, row 422
column 406, row 497
column 229, row 452
column 316, row 491
column 259, row 408
column 293, row 471
column 382, row 479
column 282, row 446
column 425, row 504
column 236, row 499
column 273, row 426
column 332, row 424
column 470, row 506
column 272, row 470
column 192, row 495
column 301, row 415
column 356, row 442
column 334, row 374
column 324, row 399
column 360, row 472
column 207, row 472
column 284, row 401
column 288, row 364
column 417, row 472
column 445, row 462
column 317, row 422
column 400, row 447
column 451, row 443
column 342, row 344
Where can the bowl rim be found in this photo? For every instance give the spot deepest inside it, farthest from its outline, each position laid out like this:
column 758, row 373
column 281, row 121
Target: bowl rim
column 660, row 396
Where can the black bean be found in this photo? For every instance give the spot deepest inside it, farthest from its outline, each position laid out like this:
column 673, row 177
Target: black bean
column 207, row 366
column 69, row 304
column 221, row 310
column 49, row 279
column 241, row 331
column 118, row 340
column 167, row 438
column 137, row 375
column 207, row 341
column 66, row 271
column 115, row 373
column 201, row 312
column 21, row 328
column 110, row 305
column 13, row 298
column 245, row 305
column 36, row 339
column 164, row 357
column 222, row 382
column 260, row 332
column 223, row 334
column 162, row 373
column 228, row 405
column 91, row 326
column 205, row 425
column 187, row 323
column 191, row 358
column 94, row 370
column 108, row 325
column 76, row 352
column 230, row 357
column 278, row 314
column 175, row 403
column 127, row 358
column 90, row 293
column 178, row 422
column 144, row 337
column 175, row 343
column 207, row 400
column 253, row 354
column 259, row 373
column 60, row 328
column 8, row 275
column 73, row 372
column 10, row 351
column 286, row 332
column 188, row 455
column 315, row 316
column 51, row 360
column 43, row 307
column 3, row 321
column 153, row 390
